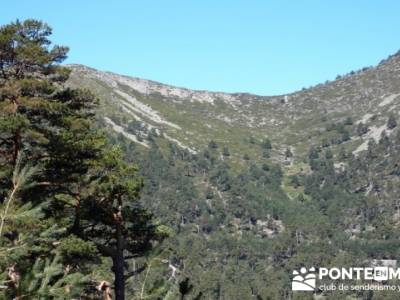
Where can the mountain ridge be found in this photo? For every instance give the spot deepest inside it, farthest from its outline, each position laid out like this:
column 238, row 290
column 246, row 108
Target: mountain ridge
column 171, row 86
column 254, row 189
column 239, row 93
column 193, row 118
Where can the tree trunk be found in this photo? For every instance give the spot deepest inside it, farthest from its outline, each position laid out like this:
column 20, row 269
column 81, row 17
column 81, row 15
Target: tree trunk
column 118, row 267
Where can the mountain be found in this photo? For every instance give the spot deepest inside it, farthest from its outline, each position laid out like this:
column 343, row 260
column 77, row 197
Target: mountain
column 252, row 186
column 195, row 117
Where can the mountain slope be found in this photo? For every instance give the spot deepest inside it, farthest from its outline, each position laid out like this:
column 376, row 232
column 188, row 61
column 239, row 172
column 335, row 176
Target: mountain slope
column 253, row 187
column 196, row 117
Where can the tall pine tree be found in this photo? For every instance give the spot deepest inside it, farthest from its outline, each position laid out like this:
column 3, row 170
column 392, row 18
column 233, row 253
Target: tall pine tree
column 78, row 189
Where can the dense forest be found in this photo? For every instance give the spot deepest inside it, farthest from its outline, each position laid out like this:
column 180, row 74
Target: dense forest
column 87, row 213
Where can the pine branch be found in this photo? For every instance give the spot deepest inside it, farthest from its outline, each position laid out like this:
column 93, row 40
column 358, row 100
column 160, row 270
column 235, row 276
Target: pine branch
column 8, row 202
column 21, row 180
column 136, row 272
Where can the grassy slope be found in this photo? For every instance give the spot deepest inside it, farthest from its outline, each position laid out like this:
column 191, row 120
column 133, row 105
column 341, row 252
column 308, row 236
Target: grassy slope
column 299, row 123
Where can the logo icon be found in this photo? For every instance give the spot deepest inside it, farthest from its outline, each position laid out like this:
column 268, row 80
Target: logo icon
column 305, row 280
column 381, row 273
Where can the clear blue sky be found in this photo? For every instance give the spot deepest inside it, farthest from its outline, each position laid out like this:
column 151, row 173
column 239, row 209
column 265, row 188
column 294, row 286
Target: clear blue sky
column 263, row 47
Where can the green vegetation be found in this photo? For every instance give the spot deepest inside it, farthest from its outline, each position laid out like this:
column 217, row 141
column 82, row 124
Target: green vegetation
column 241, row 191
column 67, row 198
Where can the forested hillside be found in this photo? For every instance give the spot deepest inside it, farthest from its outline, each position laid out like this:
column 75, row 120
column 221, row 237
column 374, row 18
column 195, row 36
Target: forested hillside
column 114, row 186
column 254, row 187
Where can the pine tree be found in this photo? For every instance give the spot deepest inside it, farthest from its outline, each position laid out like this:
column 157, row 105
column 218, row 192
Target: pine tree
column 342, row 153
column 226, row 152
column 209, row 194
column 328, row 154
column 84, row 191
column 111, row 217
column 266, row 154
column 362, row 129
column 391, row 123
column 288, row 153
column 313, row 153
column 212, row 145
column 345, row 135
column 348, row 121
column 266, row 144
